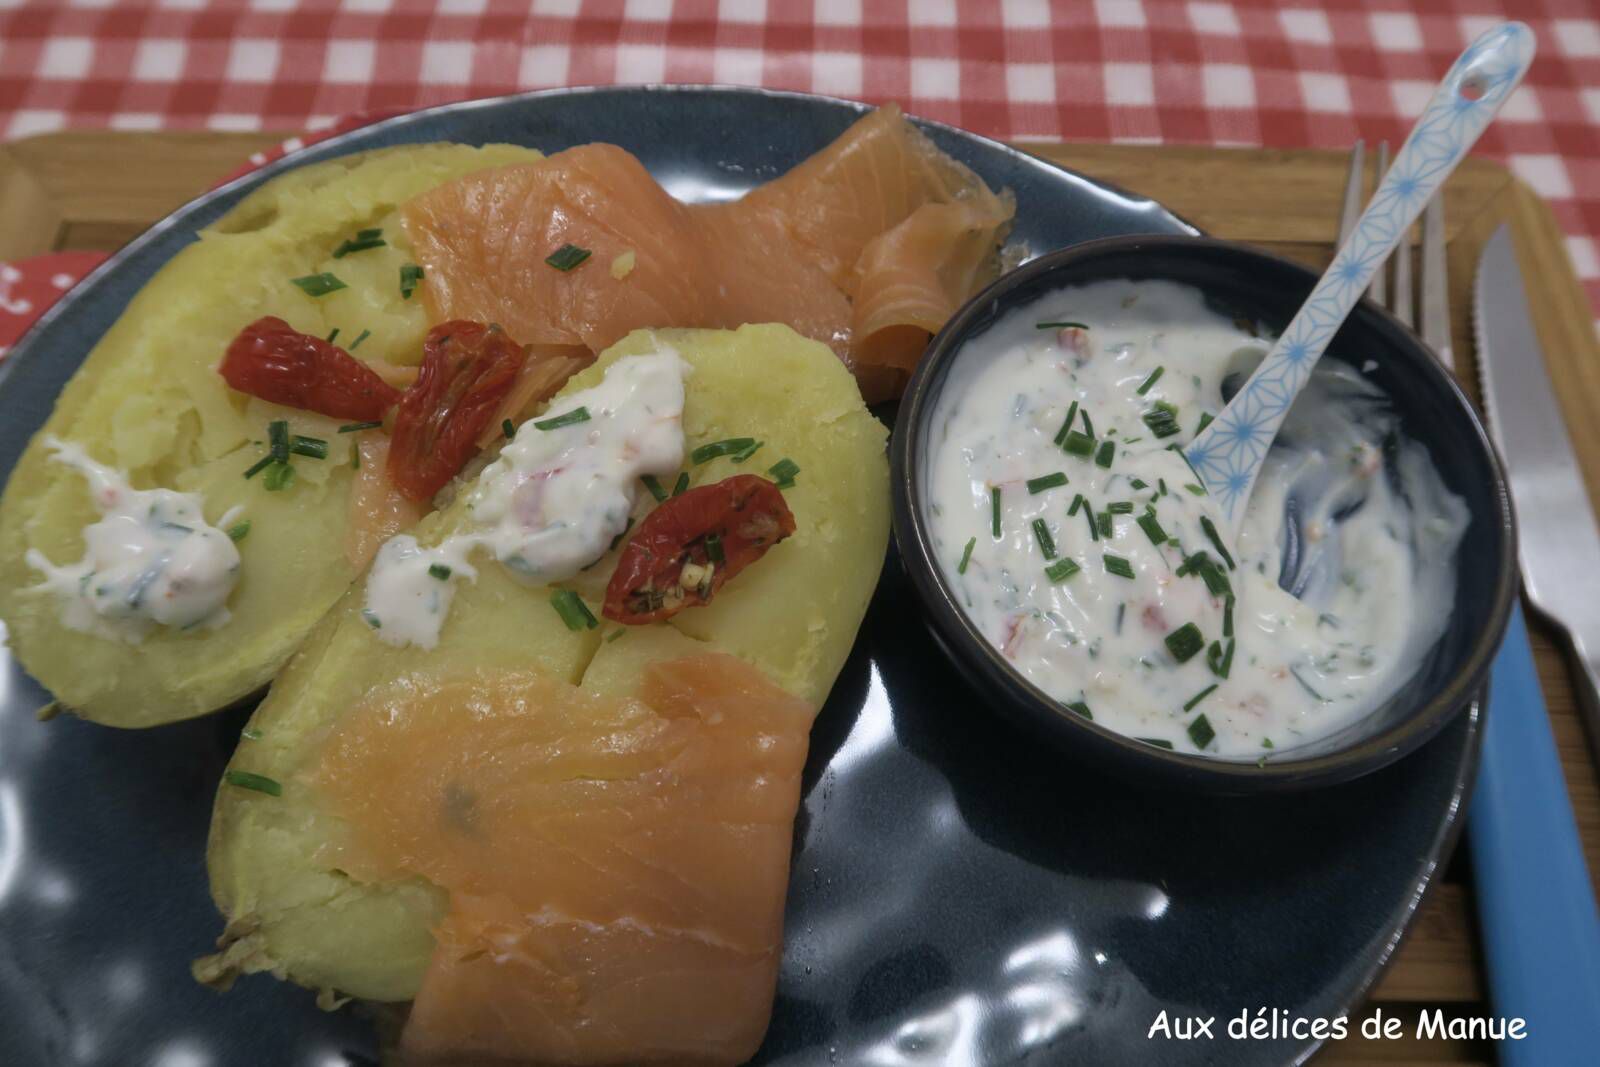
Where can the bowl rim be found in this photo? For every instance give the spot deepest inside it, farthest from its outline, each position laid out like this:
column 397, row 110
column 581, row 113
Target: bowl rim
column 962, row 640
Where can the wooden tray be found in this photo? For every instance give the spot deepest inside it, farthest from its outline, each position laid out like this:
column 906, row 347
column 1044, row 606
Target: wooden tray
column 95, row 190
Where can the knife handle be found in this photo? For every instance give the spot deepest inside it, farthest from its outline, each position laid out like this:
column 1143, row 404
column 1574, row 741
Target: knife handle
column 1536, row 906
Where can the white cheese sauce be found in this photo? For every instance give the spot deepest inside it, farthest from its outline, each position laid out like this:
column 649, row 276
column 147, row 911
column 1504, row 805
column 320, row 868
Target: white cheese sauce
column 550, row 504
column 1150, row 638
column 151, row 560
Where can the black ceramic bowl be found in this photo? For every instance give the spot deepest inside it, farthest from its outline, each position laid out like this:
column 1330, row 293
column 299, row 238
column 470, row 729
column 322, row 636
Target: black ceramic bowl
column 1432, row 411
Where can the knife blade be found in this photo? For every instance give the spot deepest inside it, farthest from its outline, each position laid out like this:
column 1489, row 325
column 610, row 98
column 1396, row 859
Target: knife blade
column 1558, row 540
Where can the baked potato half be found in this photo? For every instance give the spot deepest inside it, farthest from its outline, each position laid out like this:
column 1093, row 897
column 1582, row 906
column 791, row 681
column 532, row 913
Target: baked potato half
column 149, row 402
column 793, row 614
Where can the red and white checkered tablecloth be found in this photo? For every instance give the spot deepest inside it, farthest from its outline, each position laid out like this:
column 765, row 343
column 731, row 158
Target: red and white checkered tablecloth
column 1224, row 72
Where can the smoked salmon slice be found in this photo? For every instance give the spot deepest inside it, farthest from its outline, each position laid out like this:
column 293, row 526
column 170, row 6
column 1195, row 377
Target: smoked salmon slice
column 879, row 232
column 616, row 867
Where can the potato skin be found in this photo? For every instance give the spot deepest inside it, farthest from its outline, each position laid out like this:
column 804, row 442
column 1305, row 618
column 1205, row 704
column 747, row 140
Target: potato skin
column 148, row 400
column 794, row 614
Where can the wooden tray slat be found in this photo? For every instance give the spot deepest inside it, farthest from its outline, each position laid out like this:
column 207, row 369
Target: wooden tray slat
column 98, row 189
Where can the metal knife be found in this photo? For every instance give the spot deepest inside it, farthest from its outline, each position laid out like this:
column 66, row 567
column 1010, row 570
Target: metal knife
column 1541, row 929
column 1559, row 543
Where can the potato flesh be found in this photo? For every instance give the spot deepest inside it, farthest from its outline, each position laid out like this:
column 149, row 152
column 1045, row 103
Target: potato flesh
column 801, row 606
column 148, row 400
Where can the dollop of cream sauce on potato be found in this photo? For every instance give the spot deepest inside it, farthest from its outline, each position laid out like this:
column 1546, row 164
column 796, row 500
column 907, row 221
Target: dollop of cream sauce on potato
column 151, row 560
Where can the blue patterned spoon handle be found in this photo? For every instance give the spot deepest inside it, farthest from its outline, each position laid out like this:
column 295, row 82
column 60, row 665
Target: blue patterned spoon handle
column 1228, row 454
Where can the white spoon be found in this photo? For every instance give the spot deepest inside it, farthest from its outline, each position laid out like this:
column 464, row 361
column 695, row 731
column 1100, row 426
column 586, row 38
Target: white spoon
column 1228, row 453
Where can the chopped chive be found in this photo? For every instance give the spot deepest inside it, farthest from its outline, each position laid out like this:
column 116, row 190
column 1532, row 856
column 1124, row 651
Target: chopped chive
column 315, row 447
column 1306, row 685
column 569, row 418
column 364, row 235
column 1206, row 419
column 318, row 284
column 1138, row 483
column 1184, row 642
column 1103, row 520
column 279, row 476
column 1175, row 447
column 567, row 256
column 618, row 632
column 1227, row 617
column 1266, row 742
column 1077, row 502
column 250, row 735
column 654, row 486
column 278, row 440
column 508, row 429
column 745, row 453
column 371, row 618
column 357, row 427
column 1117, row 565
column 1155, row 376
column 1079, row 444
column 359, row 244
column 783, row 472
column 362, row 336
column 1220, row 660
column 1120, row 507
column 681, row 484
column 714, row 550
column 1061, row 569
column 966, row 555
column 1094, row 524
column 1082, row 708
column 1215, row 577
column 439, row 571
column 259, row 465
column 258, row 782
column 732, row 446
column 994, row 508
column 1161, row 487
column 573, row 611
column 1162, row 419
column 410, row 275
column 239, row 530
column 1047, row 544
column 1066, row 426
column 334, row 335
column 1197, row 490
column 1046, row 481
column 1063, row 325
column 1106, row 454
column 1159, row 742
column 1216, row 540
column 1200, row 731
column 1088, row 423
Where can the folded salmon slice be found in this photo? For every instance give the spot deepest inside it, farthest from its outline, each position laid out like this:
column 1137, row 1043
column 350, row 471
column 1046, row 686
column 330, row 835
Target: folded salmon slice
column 616, row 867
column 802, row 249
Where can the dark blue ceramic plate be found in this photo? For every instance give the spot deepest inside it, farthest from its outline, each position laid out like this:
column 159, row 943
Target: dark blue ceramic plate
column 959, row 896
